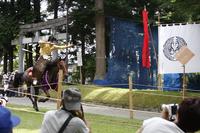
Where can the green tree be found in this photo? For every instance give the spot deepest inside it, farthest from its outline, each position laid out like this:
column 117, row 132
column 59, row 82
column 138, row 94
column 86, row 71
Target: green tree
column 8, row 31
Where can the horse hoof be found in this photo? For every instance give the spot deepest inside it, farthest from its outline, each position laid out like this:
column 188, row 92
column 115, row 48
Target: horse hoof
column 36, row 109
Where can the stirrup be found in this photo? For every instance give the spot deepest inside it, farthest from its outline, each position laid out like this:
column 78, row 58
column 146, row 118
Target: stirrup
column 35, row 82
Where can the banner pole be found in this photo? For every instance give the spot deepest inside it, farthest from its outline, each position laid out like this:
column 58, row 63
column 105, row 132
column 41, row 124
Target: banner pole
column 159, row 75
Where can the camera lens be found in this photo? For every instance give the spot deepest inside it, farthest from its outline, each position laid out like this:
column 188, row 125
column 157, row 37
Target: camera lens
column 174, row 109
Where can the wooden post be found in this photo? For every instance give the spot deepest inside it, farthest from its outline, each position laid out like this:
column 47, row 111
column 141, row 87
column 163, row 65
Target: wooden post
column 160, row 85
column 130, row 96
column 184, row 82
column 60, row 79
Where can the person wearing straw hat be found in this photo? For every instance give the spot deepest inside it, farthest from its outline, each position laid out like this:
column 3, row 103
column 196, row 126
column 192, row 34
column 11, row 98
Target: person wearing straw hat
column 68, row 119
column 46, row 49
column 7, row 120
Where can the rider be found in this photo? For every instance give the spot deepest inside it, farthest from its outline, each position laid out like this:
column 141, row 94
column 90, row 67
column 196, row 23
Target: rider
column 46, row 49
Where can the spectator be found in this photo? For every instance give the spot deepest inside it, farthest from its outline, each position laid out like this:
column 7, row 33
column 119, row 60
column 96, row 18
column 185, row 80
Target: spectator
column 188, row 119
column 3, row 100
column 7, row 121
column 69, row 119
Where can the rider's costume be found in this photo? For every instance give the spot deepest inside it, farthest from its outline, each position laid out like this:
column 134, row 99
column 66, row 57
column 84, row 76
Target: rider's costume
column 45, row 57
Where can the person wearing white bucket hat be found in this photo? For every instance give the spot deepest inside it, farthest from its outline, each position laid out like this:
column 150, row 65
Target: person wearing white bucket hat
column 68, row 119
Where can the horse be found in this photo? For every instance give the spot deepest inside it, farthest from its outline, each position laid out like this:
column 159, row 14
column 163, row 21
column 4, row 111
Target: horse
column 47, row 80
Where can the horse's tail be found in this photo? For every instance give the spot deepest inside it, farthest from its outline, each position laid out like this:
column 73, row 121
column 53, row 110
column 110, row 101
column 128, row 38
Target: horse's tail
column 18, row 79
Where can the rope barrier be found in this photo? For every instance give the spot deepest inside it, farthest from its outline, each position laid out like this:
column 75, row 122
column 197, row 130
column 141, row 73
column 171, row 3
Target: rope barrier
column 135, row 91
column 151, row 86
column 55, row 99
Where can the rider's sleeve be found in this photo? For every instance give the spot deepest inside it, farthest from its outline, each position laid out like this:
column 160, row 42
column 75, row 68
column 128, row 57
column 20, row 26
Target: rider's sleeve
column 61, row 46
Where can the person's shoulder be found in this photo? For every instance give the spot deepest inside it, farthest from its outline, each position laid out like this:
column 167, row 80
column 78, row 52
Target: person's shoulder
column 50, row 113
column 77, row 121
column 158, row 124
column 153, row 119
column 79, row 125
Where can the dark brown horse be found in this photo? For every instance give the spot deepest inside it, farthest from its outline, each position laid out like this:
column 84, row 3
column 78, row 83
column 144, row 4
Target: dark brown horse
column 47, row 80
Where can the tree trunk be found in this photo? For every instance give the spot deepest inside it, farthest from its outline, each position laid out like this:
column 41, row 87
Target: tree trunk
column 37, row 10
column 30, row 54
column 56, row 4
column 12, row 47
column 83, row 59
column 37, row 19
column 11, row 58
column 5, row 64
column 100, row 40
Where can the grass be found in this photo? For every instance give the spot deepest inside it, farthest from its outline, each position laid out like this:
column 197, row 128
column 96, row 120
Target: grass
column 118, row 97
column 31, row 121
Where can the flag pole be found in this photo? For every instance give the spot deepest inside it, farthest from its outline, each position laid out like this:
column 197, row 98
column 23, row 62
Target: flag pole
column 160, row 85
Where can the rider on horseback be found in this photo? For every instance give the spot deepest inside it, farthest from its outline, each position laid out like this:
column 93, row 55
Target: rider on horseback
column 46, row 49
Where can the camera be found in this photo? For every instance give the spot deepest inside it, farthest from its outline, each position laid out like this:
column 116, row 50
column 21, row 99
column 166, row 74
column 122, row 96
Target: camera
column 172, row 109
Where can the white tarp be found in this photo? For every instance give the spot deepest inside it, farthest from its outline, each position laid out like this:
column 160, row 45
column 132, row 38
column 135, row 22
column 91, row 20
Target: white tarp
column 171, row 39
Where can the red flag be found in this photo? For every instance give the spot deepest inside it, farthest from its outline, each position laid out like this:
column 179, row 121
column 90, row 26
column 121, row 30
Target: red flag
column 145, row 50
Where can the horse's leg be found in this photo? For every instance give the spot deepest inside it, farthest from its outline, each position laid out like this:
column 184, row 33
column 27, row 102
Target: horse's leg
column 29, row 95
column 45, row 87
column 47, row 96
column 36, row 89
column 34, row 101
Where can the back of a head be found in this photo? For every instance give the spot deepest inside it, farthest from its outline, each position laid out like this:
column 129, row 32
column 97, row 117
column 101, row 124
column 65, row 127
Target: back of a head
column 52, row 39
column 189, row 115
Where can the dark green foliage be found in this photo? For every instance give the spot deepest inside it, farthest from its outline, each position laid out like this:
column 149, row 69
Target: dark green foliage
column 193, row 81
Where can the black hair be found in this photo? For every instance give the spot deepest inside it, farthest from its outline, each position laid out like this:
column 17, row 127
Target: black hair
column 189, row 115
column 52, row 39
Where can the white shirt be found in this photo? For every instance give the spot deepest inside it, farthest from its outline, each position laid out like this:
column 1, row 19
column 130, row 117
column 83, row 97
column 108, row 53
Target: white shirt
column 159, row 125
column 53, row 121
